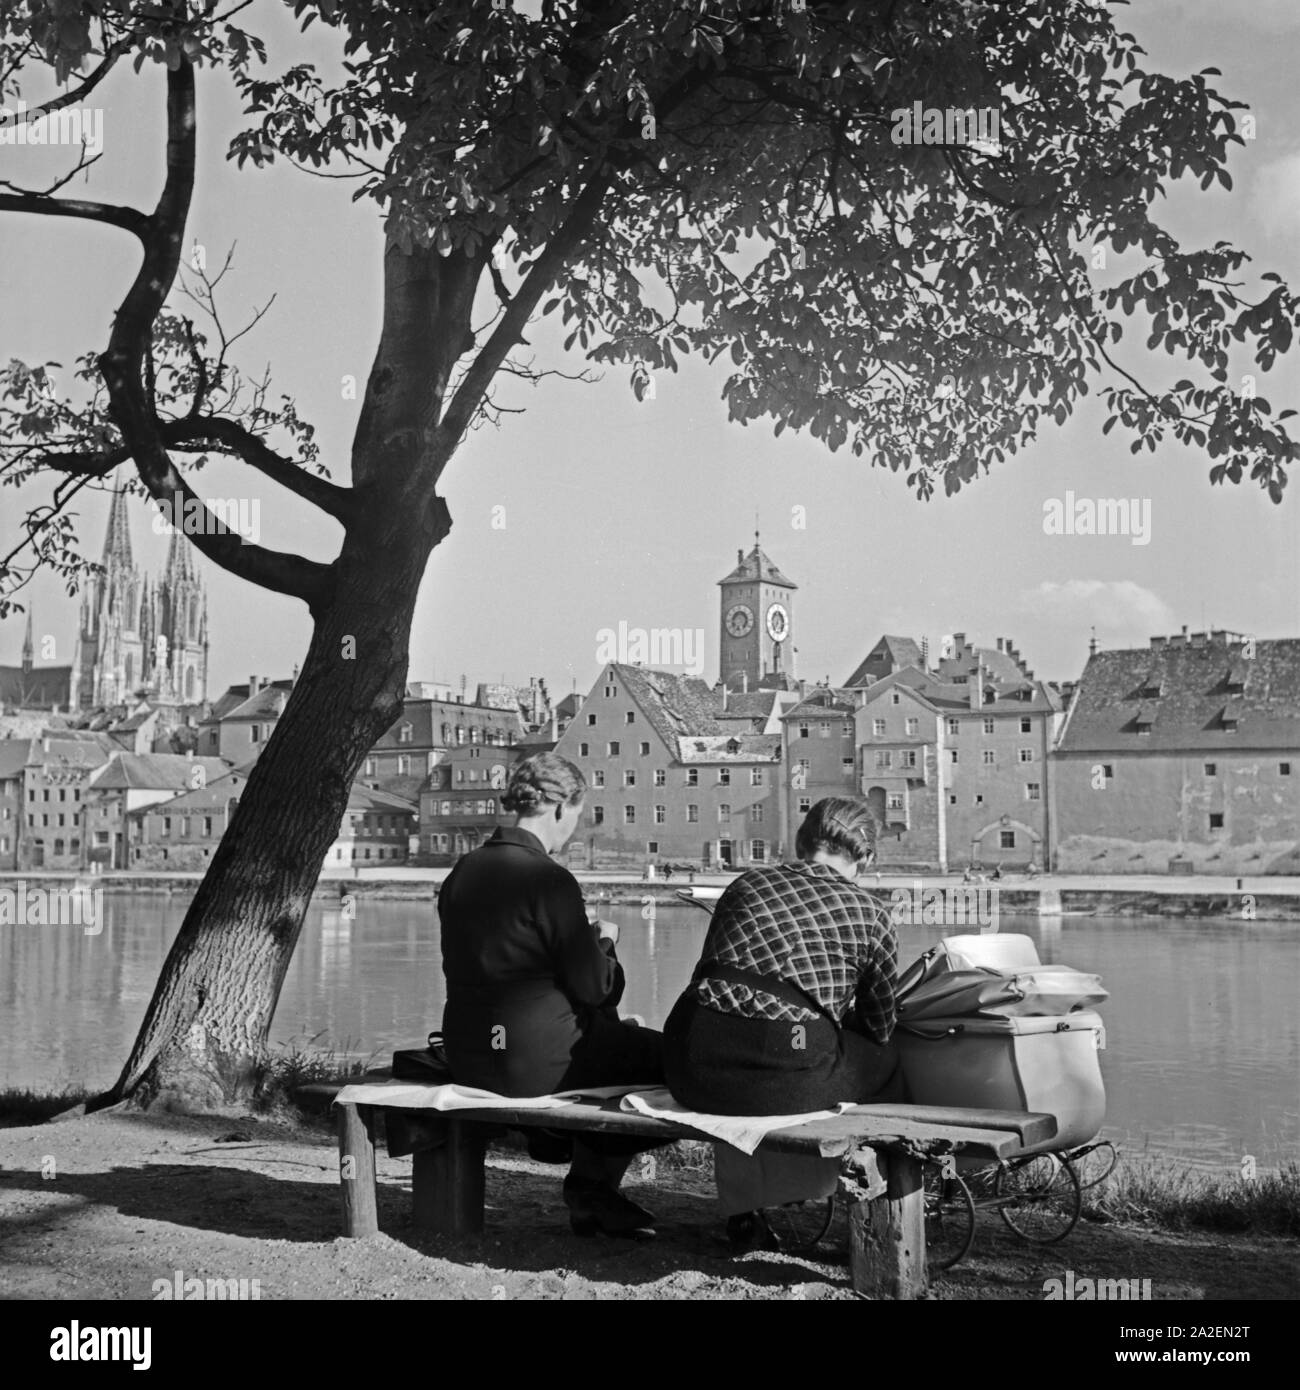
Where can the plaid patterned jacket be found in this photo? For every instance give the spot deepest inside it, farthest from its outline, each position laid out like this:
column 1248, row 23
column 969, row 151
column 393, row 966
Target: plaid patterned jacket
column 809, row 925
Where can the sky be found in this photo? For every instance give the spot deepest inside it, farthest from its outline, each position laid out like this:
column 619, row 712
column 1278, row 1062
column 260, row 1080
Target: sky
column 593, row 508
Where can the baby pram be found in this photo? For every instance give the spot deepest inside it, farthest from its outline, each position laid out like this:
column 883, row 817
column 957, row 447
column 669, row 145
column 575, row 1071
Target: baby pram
column 983, row 1022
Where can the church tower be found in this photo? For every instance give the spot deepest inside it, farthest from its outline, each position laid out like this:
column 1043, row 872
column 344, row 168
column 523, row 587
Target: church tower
column 108, row 663
column 180, row 629
column 756, row 624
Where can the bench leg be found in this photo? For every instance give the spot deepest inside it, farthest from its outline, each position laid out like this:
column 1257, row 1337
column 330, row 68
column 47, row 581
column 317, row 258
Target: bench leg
column 887, row 1235
column 448, row 1182
column 356, row 1125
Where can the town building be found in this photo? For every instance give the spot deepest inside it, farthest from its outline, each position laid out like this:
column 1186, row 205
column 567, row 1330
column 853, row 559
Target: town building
column 129, row 782
column 13, row 765
column 954, row 762
column 460, row 801
column 183, row 831
column 1186, row 751
column 242, row 720
column 667, row 784
column 57, row 771
column 32, row 687
column 819, row 754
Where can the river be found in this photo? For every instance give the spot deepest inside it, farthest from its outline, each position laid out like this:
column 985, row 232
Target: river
column 1203, row 1032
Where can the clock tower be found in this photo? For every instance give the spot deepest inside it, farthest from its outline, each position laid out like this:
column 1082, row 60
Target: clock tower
column 756, row 625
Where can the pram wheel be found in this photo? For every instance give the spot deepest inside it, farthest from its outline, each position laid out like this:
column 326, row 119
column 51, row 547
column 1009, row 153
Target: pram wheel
column 949, row 1218
column 1093, row 1163
column 1039, row 1197
column 799, row 1226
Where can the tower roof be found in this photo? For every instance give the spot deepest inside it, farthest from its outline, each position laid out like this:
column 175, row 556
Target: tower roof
column 180, row 561
column 117, row 543
column 757, row 565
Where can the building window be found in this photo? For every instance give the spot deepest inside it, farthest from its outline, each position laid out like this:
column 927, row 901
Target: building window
column 629, row 815
column 598, row 777
column 907, row 757
column 912, row 726
column 724, row 777
column 661, row 815
column 255, row 733
column 756, row 812
column 1026, row 724
column 804, row 730
column 652, row 846
column 661, row 777
column 613, row 748
column 1284, row 769
column 988, row 726
column 370, row 767
column 460, row 733
column 475, row 734
column 724, row 811
column 952, row 755
column 446, row 808
column 894, row 802
column 644, row 749
column 1108, row 771
column 583, row 749
column 610, row 692
column 629, row 778
column 405, row 734
column 591, row 721
column 979, row 799
column 1216, row 820
column 952, row 799
column 63, row 793
column 1211, row 769
column 403, row 764
column 692, row 814
column 758, row 851
column 954, row 727
column 629, row 717
column 755, row 776
column 990, row 757
column 1006, row 839
column 846, row 729
column 805, row 805
column 167, row 825
column 823, row 728
column 598, row 815
column 878, row 728
column 846, row 766
column 885, row 759
column 1033, row 792
column 895, row 698
column 446, row 733
column 1026, row 755
column 692, row 777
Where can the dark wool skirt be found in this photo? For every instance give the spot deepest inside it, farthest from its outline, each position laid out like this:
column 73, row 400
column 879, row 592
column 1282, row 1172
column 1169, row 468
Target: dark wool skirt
column 723, row 1064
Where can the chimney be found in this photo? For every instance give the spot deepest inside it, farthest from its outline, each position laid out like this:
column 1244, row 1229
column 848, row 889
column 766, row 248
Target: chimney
column 999, row 644
column 253, row 686
column 740, row 557
column 959, row 643
column 975, row 686
column 925, row 653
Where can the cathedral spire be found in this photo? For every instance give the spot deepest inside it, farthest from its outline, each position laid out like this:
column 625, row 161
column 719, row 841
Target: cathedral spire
column 180, row 561
column 117, row 543
column 29, row 650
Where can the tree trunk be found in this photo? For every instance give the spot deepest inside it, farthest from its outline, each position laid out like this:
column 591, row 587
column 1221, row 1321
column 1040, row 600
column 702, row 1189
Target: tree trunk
column 207, row 1024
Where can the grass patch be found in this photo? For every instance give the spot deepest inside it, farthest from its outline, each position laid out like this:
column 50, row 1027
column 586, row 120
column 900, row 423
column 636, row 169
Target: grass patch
column 25, row 1107
column 1176, row 1197
column 287, row 1067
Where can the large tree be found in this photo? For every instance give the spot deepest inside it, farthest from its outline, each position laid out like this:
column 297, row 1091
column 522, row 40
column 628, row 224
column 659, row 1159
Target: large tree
column 718, row 177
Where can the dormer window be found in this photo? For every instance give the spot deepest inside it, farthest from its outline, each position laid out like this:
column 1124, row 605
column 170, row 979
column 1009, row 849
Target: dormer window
column 405, row 733
column 733, row 746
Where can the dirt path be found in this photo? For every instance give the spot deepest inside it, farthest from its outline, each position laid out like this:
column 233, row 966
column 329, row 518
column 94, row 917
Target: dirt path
column 131, row 1199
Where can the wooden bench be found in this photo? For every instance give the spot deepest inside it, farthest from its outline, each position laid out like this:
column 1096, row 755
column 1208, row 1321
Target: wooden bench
column 882, row 1148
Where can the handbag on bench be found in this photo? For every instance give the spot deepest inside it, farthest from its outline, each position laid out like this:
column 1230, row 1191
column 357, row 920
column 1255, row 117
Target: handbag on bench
column 426, row 1064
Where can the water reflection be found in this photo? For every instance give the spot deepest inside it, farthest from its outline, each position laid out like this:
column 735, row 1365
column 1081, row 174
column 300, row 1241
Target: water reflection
column 1203, row 1041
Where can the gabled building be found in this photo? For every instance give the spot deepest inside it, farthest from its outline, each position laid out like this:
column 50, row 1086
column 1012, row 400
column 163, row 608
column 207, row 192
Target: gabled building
column 242, row 720
column 183, row 831
column 460, row 801
column 57, row 771
column 668, row 783
column 954, row 763
column 819, row 754
column 129, row 782
column 890, row 654
column 1188, row 749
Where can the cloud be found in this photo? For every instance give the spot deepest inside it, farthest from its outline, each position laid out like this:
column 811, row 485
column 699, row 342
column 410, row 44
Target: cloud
column 1123, row 612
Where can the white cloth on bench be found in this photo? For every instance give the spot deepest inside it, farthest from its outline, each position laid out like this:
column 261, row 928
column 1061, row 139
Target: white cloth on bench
column 416, row 1095
column 744, row 1132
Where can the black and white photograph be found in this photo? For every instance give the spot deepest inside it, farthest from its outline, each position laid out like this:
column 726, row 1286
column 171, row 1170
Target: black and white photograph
column 649, row 652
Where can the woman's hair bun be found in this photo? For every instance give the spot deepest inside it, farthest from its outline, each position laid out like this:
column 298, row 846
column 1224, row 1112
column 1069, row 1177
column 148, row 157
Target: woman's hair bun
column 545, row 779
column 838, row 825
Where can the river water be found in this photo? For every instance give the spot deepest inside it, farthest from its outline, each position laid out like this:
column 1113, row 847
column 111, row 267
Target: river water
column 1203, row 1033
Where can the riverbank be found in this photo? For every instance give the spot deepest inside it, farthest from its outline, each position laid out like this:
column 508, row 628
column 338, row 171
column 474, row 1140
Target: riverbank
column 113, row 1205
column 1261, row 899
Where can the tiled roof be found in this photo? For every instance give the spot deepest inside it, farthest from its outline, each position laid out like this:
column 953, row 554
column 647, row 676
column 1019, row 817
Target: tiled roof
column 1198, row 689
column 824, row 700
column 268, row 703
column 756, row 704
column 43, row 687
column 217, row 793
column 674, row 705
column 757, row 565
column 372, row 799
column 68, row 746
column 155, row 772
column 14, row 753
column 729, row 748
column 899, row 651
column 426, row 716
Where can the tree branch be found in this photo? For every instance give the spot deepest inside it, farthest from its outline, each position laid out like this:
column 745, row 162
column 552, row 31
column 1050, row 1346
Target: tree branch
column 128, row 219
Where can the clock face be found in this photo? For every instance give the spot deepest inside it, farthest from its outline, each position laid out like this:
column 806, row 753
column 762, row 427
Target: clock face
column 739, row 619
column 778, row 623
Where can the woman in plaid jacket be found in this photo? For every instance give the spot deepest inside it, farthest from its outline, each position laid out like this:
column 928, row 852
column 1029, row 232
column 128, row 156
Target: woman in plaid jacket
column 792, row 1004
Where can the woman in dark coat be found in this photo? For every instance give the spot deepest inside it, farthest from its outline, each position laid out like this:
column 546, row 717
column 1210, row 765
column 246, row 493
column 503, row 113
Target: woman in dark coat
column 792, row 1004
column 532, row 983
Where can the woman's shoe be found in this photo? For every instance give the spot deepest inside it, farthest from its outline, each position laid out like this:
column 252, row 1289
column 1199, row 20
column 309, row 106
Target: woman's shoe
column 595, row 1208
